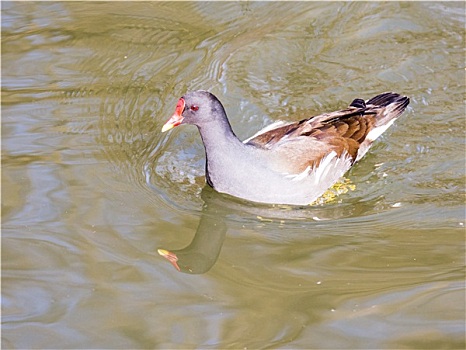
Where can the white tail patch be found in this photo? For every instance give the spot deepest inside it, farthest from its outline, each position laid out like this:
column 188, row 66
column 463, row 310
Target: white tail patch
column 371, row 137
column 379, row 130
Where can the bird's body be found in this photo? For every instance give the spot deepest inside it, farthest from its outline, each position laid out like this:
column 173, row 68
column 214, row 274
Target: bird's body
column 285, row 163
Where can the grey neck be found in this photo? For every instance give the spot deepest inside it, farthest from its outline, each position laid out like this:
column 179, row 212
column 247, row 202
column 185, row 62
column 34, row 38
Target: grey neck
column 218, row 136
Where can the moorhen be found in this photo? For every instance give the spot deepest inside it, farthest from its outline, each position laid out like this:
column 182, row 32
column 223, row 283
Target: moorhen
column 285, row 163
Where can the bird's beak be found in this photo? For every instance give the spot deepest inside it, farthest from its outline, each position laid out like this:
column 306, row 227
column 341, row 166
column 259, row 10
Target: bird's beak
column 169, row 256
column 177, row 117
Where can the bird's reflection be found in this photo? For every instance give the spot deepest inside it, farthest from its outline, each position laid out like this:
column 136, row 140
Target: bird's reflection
column 202, row 253
column 219, row 209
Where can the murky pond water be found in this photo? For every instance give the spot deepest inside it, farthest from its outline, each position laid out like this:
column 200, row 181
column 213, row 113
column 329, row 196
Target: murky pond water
column 91, row 188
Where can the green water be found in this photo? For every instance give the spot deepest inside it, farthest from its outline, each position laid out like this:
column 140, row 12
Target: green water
column 91, row 188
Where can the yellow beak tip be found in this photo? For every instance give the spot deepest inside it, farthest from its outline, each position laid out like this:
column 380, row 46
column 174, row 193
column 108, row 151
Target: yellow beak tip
column 167, row 127
column 162, row 252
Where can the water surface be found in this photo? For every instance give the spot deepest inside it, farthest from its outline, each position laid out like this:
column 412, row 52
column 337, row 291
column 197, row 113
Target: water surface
column 91, row 188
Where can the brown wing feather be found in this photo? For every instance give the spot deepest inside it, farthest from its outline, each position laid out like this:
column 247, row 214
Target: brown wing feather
column 306, row 142
column 340, row 131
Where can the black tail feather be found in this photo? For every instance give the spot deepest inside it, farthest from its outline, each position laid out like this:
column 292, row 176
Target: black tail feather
column 394, row 103
column 358, row 103
column 388, row 98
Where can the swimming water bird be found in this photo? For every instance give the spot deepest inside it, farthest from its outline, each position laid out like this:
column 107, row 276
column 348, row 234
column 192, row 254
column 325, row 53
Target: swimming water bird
column 286, row 162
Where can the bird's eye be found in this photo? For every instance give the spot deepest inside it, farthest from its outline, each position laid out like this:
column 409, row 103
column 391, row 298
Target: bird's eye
column 194, row 108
